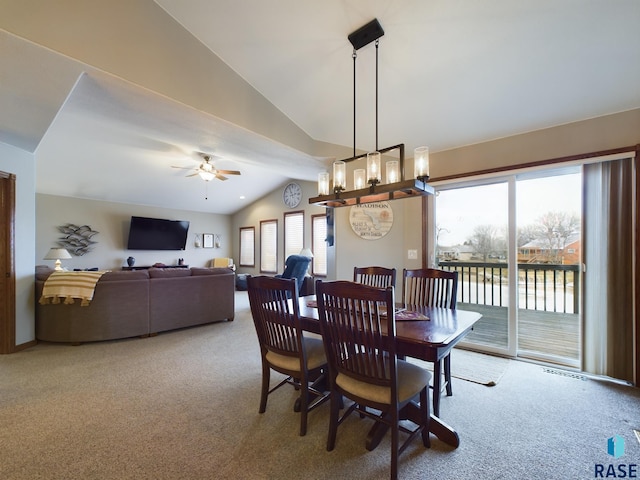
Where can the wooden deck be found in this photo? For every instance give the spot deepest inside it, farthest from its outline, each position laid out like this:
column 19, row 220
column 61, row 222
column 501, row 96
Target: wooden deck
column 546, row 333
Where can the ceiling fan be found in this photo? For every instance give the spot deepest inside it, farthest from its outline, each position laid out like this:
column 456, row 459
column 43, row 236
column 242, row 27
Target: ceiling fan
column 207, row 171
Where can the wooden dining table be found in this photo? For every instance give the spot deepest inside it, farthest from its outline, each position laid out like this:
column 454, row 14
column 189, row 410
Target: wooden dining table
column 425, row 333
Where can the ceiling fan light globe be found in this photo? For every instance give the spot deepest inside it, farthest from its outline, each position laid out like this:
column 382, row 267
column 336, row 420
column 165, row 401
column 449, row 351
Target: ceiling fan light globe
column 206, row 176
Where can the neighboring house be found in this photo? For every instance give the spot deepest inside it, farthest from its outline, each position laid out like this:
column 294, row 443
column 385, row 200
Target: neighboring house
column 456, row 253
column 539, row 251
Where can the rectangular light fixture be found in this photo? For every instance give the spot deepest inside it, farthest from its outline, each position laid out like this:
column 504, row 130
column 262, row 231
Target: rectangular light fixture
column 375, row 192
column 396, row 186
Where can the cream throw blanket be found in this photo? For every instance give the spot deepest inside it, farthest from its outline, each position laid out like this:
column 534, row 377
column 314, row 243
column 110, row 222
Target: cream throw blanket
column 70, row 285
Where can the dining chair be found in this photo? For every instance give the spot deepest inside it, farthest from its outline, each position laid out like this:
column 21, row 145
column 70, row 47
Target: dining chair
column 359, row 339
column 283, row 347
column 432, row 287
column 380, row 277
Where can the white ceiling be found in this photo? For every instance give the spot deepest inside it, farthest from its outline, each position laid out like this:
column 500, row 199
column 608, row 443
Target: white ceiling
column 451, row 73
column 114, row 141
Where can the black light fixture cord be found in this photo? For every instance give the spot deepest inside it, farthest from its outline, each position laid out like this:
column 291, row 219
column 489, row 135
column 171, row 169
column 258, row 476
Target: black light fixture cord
column 354, row 55
column 377, row 42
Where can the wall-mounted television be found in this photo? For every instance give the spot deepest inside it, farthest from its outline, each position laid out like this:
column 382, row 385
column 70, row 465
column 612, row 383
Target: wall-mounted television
column 157, row 234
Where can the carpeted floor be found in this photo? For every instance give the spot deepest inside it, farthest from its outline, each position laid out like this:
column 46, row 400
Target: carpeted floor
column 474, row 367
column 184, row 405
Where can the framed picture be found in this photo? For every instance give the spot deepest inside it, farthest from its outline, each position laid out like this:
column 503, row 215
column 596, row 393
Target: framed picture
column 207, row 240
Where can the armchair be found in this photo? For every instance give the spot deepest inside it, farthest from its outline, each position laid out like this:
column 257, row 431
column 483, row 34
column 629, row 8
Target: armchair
column 296, row 266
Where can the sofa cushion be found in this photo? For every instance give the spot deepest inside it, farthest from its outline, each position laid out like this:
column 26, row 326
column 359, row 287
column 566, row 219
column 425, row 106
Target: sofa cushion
column 124, row 275
column 43, row 272
column 195, row 271
column 169, row 272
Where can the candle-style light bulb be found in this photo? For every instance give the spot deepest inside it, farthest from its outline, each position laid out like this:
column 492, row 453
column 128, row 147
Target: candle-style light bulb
column 373, row 167
column 393, row 171
column 359, row 178
column 323, row 183
column 421, row 162
column 339, row 176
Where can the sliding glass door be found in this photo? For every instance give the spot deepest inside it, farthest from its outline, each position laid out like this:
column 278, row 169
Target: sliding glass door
column 516, row 243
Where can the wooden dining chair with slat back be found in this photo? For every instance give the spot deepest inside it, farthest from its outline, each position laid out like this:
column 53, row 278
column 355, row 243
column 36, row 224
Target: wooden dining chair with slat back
column 380, row 277
column 283, row 346
column 359, row 336
column 432, row 287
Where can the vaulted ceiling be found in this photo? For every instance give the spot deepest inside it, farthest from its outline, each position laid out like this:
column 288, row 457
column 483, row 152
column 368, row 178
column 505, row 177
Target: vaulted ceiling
column 451, row 73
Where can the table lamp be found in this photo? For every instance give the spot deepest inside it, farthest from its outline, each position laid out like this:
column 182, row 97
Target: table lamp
column 306, row 252
column 56, row 254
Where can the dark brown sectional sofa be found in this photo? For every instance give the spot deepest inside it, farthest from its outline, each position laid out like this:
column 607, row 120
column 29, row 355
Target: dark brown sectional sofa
column 138, row 303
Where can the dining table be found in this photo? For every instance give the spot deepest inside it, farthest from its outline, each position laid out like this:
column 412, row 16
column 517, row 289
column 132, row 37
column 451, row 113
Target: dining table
column 424, row 333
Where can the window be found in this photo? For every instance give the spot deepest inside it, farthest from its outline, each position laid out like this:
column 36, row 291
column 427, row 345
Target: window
column 319, row 244
column 293, row 233
column 247, row 246
column 268, row 246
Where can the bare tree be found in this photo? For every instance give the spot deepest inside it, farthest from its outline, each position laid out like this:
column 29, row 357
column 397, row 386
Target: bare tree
column 526, row 234
column 439, row 232
column 554, row 229
column 483, row 240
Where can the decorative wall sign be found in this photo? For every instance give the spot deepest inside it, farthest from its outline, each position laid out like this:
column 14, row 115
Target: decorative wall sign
column 371, row 221
column 77, row 240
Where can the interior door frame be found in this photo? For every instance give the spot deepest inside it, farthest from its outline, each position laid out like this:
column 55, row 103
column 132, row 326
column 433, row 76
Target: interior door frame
column 7, row 263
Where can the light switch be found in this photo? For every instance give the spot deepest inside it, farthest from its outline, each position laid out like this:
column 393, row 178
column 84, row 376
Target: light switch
column 412, row 254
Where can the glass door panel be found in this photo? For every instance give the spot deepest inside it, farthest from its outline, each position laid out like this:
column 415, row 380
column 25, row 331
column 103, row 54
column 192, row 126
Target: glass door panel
column 549, row 259
column 471, row 237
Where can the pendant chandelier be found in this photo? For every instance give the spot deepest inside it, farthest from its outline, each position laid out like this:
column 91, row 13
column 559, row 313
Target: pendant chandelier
column 395, row 186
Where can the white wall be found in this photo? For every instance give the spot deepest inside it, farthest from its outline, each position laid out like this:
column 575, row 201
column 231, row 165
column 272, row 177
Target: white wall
column 22, row 164
column 389, row 251
column 598, row 134
column 112, row 221
column 272, row 207
column 349, row 249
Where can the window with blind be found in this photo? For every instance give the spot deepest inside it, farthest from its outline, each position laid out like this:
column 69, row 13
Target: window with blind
column 247, row 246
column 319, row 244
column 268, row 246
column 293, row 233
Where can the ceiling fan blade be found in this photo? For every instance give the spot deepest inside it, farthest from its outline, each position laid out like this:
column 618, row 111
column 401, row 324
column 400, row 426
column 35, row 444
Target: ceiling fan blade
column 192, row 175
column 229, row 172
column 182, row 168
column 220, row 177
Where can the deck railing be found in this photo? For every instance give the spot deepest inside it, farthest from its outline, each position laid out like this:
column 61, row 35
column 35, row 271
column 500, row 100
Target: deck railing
column 546, row 287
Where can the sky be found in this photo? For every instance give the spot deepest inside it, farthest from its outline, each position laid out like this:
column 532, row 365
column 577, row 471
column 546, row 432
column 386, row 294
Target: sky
column 459, row 211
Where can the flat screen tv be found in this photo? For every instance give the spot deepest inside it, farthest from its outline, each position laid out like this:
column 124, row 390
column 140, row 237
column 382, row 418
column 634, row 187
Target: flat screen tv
column 157, row 234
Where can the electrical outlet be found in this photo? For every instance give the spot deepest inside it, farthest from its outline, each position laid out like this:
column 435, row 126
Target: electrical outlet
column 412, row 254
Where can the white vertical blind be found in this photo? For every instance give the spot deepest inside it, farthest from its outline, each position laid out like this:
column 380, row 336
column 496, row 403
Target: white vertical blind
column 609, row 277
column 293, row 233
column 268, row 246
column 247, row 246
column 319, row 244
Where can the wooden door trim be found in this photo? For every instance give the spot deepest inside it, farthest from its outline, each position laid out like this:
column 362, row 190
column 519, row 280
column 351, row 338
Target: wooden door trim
column 7, row 263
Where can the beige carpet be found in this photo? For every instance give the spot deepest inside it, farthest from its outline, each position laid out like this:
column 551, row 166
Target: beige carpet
column 184, row 406
column 474, row 367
